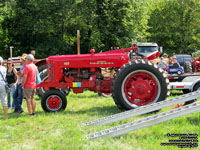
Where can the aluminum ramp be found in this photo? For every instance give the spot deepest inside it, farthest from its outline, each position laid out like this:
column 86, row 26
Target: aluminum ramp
column 152, row 120
column 149, row 121
column 145, row 109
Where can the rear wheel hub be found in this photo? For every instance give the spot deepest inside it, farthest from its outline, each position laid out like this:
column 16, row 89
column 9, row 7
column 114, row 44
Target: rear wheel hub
column 140, row 88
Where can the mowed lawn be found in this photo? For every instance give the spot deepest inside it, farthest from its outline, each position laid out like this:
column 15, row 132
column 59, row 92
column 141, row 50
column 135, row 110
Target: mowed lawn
column 64, row 130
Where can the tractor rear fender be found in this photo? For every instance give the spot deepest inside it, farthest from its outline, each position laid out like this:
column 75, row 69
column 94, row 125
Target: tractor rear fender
column 40, row 62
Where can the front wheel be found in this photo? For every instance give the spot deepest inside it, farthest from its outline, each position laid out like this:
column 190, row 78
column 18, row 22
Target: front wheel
column 139, row 83
column 53, row 101
column 196, row 88
column 179, row 72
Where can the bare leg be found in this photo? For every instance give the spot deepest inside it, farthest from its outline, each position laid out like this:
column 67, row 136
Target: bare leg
column 33, row 105
column 5, row 111
column 29, row 106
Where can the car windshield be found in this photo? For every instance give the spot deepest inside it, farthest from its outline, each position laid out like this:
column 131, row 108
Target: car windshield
column 179, row 58
column 183, row 58
column 145, row 50
column 187, row 58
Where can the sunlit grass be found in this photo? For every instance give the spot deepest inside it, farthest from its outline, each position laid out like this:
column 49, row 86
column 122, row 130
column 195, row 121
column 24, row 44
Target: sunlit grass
column 64, row 130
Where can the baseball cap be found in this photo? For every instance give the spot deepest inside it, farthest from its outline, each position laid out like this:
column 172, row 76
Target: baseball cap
column 1, row 59
column 30, row 57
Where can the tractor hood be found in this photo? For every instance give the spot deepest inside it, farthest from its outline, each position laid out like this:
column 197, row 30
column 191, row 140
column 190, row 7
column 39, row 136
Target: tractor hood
column 89, row 60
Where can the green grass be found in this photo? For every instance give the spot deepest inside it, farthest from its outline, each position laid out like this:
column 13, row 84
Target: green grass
column 63, row 130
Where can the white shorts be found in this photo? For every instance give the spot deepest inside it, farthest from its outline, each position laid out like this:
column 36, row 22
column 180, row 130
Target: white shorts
column 3, row 94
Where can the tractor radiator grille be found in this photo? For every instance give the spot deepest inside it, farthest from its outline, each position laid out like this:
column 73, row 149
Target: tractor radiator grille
column 50, row 72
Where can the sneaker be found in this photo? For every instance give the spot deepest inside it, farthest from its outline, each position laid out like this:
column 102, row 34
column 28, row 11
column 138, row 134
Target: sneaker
column 33, row 114
column 6, row 117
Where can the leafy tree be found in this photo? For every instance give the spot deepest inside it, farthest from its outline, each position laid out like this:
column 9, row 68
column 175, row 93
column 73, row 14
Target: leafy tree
column 174, row 24
column 50, row 26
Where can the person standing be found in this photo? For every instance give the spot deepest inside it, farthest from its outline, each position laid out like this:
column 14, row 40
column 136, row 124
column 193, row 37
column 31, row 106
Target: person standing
column 11, row 78
column 174, row 59
column 2, row 87
column 162, row 64
column 18, row 96
column 29, row 83
column 165, row 56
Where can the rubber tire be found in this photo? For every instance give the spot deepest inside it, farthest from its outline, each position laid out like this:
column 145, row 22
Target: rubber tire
column 53, row 92
column 42, row 68
column 187, row 67
column 196, row 87
column 133, row 66
column 179, row 72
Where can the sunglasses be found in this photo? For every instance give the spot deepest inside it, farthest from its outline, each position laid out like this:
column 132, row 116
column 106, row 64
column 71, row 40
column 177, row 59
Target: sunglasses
column 9, row 63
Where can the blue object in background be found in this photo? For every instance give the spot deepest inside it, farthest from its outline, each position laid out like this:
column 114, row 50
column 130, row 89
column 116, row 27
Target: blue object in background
column 175, row 68
column 38, row 79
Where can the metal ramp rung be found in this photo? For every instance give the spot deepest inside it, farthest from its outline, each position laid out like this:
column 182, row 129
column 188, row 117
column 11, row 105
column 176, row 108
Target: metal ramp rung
column 145, row 109
column 149, row 121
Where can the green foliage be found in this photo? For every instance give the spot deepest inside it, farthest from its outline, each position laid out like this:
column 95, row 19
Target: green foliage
column 64, row 130
column 175, row 25
column 50, row 27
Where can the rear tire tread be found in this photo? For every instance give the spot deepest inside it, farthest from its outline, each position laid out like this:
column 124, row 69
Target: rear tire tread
column 119, row 104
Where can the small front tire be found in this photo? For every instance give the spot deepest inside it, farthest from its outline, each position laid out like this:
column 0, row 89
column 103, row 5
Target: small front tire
column 179, row 72
column 53, row 101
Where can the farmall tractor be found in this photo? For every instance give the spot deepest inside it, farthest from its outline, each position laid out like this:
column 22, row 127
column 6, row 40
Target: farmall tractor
column 133, row 82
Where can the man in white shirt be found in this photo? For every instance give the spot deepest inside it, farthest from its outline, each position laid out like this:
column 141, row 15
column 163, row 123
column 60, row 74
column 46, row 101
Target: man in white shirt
column 2, row 87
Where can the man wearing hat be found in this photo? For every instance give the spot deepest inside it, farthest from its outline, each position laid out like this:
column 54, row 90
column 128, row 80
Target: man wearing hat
column 2, row 87
column 18, row 96
column 29, row 83
column 165, row 56
column 174, row 59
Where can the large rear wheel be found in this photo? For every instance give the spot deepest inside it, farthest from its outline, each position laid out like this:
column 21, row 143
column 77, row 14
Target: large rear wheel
column 139, row 83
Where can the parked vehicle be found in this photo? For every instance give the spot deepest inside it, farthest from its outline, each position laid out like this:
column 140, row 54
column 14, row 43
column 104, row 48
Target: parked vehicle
column 135, row 82
column 182, row 58
column 196, row 65
column 148, row 48
column 175, row 68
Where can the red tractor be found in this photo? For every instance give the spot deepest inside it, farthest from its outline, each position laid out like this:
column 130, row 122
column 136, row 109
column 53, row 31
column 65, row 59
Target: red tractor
column 133, row 82
column 196, row 65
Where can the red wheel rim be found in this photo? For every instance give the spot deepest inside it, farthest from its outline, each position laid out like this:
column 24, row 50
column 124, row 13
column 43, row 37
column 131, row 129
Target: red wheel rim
column 140, row 88
column 54, row 102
